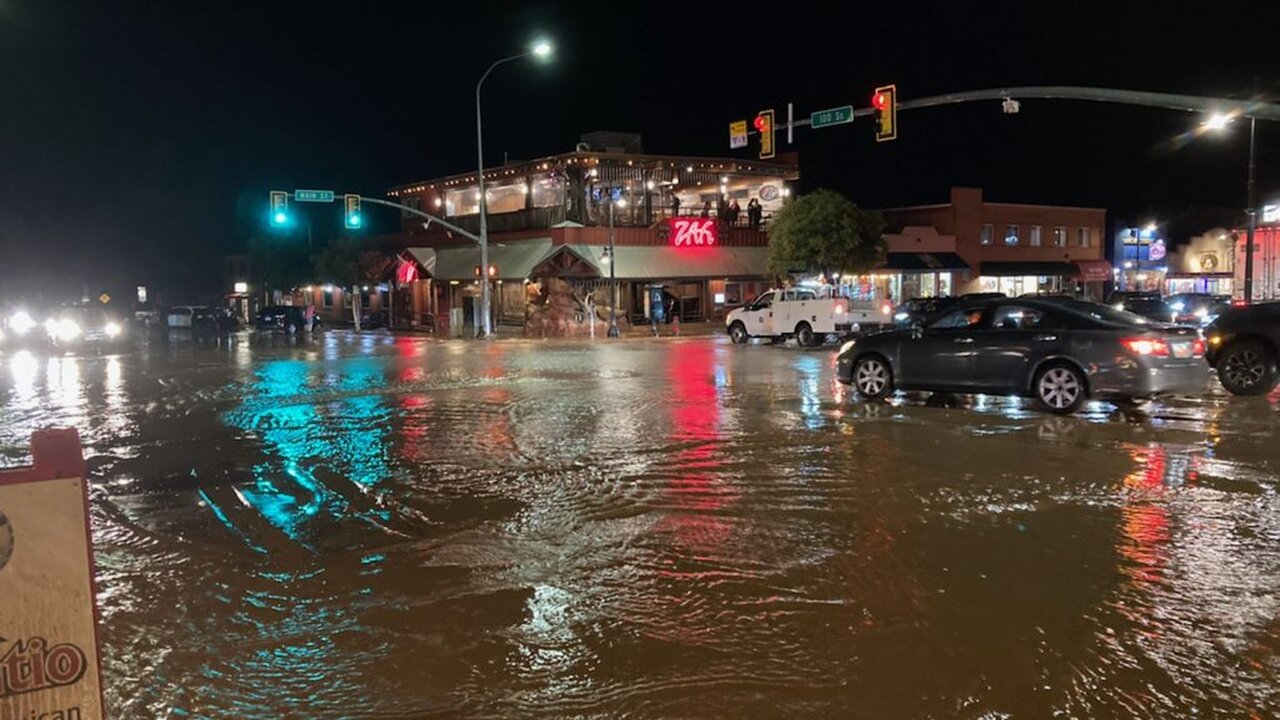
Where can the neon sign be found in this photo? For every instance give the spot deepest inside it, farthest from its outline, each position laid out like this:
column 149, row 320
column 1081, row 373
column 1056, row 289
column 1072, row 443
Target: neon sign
column 693, row 232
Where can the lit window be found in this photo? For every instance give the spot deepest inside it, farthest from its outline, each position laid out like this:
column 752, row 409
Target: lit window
column 1011, row 235
column 987, row 233
column 1034, row 238
column 328, row 298
column 1060, row 236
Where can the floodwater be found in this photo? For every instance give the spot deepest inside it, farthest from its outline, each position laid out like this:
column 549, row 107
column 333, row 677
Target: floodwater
column 365, row 526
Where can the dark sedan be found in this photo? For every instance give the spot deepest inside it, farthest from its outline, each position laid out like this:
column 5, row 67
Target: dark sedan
column 1244, row 347
column 1060, row 353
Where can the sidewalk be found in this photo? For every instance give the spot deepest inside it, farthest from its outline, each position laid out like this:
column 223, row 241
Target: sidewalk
column 513, row 332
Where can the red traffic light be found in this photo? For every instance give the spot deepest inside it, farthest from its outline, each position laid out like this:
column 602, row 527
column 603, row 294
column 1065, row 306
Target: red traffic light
column 761, row 123
column 879, row 101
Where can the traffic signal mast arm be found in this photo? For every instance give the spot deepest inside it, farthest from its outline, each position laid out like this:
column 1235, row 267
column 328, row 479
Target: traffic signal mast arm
column 1168, row 101
column 430, row 218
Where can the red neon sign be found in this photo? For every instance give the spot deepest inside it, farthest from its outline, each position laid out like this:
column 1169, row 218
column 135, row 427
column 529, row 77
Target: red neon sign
column 693, row 232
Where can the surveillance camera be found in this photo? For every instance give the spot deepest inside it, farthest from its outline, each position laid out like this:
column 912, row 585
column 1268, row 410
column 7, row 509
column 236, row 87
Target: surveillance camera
column 1010, row 106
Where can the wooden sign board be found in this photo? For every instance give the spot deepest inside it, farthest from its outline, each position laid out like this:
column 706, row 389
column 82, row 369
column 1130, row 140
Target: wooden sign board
column 48, row 612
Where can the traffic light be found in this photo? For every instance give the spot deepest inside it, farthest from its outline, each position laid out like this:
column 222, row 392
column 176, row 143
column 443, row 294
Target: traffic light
column 885, row 104
column 764, row 126
column 352, row 216
column 279, row 208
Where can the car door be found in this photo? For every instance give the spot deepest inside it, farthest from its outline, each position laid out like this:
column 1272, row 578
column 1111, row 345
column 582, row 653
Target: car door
column 1010, row 342
column 940, row 356
column 758, row 317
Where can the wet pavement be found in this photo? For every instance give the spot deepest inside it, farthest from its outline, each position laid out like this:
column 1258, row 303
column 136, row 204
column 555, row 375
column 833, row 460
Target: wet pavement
column 367, row 526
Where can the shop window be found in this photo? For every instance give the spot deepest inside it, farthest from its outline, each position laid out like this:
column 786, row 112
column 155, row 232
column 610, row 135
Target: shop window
column 1011, row 235
column 364, row 298
column 733, row 293
column 346, row 300
column 548, row 191
column 1060, row 236
column 1082, row 237
column 328, row 298
column 1034, row 238
column 986, row 234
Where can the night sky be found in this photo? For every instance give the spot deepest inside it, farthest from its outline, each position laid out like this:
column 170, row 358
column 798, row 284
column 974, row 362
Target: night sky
column 138, row 140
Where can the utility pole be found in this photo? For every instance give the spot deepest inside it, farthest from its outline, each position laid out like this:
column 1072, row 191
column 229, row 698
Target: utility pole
column 613, row 276
column 1252, row 211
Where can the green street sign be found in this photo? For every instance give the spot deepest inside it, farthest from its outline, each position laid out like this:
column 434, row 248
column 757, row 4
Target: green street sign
column 834, row 116
column 313, row 195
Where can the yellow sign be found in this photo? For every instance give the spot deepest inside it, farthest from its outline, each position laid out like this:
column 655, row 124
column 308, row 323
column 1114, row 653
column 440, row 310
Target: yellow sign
column 48, row 638
column 104, row 298
column 737, row 134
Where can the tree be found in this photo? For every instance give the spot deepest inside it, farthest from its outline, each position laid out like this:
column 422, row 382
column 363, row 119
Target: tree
column 346, row 262
column 824, row 232
column 278, row 263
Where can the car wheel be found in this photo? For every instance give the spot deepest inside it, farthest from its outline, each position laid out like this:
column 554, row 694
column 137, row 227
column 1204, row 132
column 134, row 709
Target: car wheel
column 738, row 334
column 872, row 377
column 1059, row 388
column 1247, row 367
column 804, row 335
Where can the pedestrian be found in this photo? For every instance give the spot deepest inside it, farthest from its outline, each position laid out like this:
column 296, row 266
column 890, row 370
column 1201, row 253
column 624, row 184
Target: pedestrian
column 734, row 211
column 722, row 209
column 675, row 204
column 753, row 214
column 706, row 209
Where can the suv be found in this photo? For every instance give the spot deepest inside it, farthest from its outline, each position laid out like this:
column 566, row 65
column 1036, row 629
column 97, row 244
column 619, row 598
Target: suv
column 1148, row 304
column 289, row 318
column 1244, row 347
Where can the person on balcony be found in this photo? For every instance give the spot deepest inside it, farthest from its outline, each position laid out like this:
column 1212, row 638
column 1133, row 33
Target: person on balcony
column 754, row 213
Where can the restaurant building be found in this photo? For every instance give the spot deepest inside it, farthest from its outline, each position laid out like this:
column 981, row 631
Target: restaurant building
column 1006, row 247
column 1204, row 264
column 685, row 229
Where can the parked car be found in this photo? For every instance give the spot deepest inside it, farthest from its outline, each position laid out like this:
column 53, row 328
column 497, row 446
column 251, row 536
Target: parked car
column 919, row 311
column 1244, row 347
column 180, row 316
column 1060, row 353
column 20, row 328
column 215, row 319
column 77, row 325
column 289, row 318
column 1147, row 304
column 1196, row 309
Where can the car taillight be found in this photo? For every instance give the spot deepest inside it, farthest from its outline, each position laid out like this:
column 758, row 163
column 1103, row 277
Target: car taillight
column 1197, row 347
column 1239, row 303
column 1146, row 346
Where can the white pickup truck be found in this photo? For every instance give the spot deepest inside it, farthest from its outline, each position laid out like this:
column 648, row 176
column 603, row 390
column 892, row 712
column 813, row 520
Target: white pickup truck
column 802, row 314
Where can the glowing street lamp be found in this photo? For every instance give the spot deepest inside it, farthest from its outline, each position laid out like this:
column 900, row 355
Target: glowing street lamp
column 1219, row 122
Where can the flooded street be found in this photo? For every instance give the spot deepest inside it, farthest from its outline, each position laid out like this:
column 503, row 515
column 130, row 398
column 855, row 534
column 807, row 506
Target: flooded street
column 367, row 526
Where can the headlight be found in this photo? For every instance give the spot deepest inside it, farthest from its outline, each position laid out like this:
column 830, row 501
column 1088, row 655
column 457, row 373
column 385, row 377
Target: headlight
column 901, row 316
column 847, row 346
column 112, row 329
column 21, row 322
column 63, row 329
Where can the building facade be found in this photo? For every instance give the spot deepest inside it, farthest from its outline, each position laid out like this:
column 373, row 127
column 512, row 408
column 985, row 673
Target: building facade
column 1014, row 248
column 688, row 230
column 1205, row 264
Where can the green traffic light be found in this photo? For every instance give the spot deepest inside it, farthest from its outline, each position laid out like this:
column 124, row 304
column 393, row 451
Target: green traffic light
column 280, row 218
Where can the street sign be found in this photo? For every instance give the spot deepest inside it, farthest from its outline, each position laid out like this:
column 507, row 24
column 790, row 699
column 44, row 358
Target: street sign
column 833, row 116
column 737, row 134
column 104, row 298
column 313, row 195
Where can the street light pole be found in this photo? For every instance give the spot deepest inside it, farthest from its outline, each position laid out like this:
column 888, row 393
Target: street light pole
column 613, row 277
column 541, row 49
column 1252, row 211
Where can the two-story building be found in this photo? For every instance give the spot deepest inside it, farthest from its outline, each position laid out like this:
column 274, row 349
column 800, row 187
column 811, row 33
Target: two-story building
column 1007, row 247
column 687, row 225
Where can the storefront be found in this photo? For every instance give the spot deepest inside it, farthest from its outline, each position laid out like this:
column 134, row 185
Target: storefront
column 1091, row 279
column 1025, row 278
column 917, row 275
column 1210, row 283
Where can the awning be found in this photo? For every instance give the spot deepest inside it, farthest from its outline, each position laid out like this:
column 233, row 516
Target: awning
column 426, row 257
column 1006, row 269
column 1093, row 270
column 924, row 262
column 513, row 260
column 664, row 262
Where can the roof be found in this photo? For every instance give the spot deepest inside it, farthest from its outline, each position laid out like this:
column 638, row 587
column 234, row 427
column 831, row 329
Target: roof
column 513, row 260
column 426, row 257
column 663, row 261
column 924, row 261
column 1027, row 268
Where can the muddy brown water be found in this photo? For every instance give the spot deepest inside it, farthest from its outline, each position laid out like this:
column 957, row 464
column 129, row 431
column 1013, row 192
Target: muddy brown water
column 361, row 526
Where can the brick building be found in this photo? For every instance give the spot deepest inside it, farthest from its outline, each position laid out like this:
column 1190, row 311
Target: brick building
column 1014, row 248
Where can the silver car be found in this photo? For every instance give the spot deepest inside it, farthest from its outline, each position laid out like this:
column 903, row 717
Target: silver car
column 1058, row 351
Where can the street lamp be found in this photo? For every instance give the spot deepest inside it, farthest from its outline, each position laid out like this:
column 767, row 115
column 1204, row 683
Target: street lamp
column 1219, row 121
column 613, row 275
column 540, row 49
